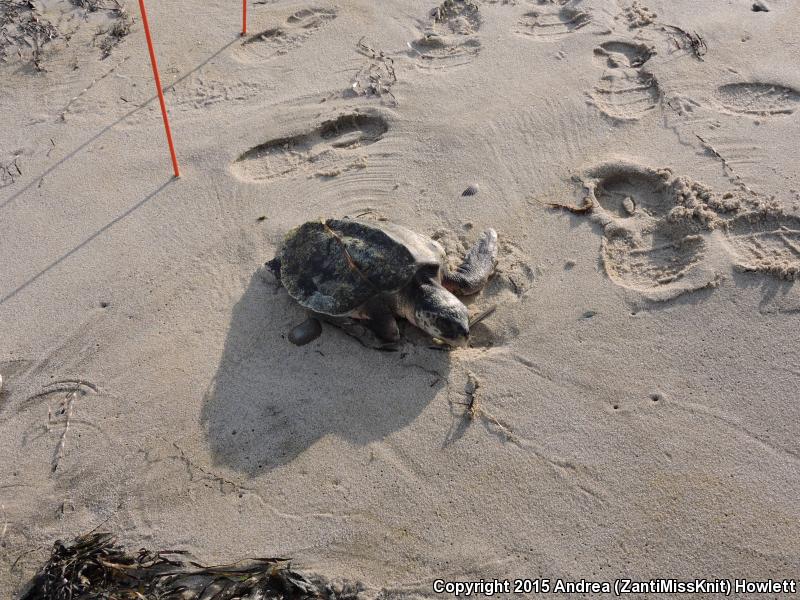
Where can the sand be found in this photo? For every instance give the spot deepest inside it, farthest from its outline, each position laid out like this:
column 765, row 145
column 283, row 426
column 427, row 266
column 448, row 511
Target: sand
column 636, row 387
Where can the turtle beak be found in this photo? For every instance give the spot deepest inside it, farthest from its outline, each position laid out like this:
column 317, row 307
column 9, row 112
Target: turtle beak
column 460, row 342
column 458, row 334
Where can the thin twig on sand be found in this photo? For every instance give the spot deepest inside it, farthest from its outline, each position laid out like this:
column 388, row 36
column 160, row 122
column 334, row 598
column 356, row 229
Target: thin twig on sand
column 9, row 172
column 587, row 207
column 693, row 40
column 73, row 388
column 5, row 525
column 486, row 312
column 66, row 408
column 476, row 411
column 377, row 77
column 471, row 390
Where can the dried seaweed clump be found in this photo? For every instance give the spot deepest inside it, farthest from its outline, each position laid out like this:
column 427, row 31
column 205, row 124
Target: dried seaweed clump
column 9, row 173
column 451, row 9
column 378, row 76
column 120, row 27
column 22, row 27
column 89, row 5
column 95, row 567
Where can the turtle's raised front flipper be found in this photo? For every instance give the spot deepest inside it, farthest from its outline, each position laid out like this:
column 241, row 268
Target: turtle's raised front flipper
column 478, row 265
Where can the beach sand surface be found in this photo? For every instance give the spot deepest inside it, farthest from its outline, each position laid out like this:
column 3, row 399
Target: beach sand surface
column 636, row 407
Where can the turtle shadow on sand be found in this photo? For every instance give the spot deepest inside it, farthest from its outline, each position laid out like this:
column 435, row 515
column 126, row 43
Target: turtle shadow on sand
column 270, row 401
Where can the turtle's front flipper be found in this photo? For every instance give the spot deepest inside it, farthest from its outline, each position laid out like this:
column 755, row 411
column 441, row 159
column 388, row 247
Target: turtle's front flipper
column 358, row 330
column 381, row 321
column 478, row 265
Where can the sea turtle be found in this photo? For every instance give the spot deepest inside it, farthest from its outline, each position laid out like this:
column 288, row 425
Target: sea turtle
column 377, row 271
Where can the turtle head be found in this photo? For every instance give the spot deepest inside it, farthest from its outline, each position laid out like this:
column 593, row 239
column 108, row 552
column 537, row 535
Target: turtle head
column 441, row 314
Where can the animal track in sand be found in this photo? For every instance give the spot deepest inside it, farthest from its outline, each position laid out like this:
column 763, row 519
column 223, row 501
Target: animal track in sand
column 552, row 25
column 625, row 92
column 277, row 41
column 329, row 149
column 758, row 98
column 209, row 88
column 450, row 38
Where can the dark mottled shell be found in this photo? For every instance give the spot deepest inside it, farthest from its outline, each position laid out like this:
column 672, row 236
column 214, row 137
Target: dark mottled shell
column 471, row 190
column 336, row 266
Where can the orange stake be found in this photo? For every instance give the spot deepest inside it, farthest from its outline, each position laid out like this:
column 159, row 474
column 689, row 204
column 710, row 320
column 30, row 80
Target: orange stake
column 158, row 88
column 244, row 17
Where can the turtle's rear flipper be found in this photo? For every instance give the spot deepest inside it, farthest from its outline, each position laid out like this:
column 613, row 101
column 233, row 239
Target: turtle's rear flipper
column 274, row 266
column 472, row 274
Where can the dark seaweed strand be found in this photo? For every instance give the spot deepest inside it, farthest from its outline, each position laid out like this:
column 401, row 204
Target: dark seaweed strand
column 95, row 567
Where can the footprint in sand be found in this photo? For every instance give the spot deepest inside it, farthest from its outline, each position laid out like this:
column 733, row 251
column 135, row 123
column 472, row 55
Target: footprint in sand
column 9, row 369
column 651, row 261
column 665, row 235
column 642, row 249
column 623, row 54
column 450, row 36
column 766, row 243
column 327, row 150
column 655, row 228
column 625, row 92
column 279, row 40
column 764, row 99
column 550, row 23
